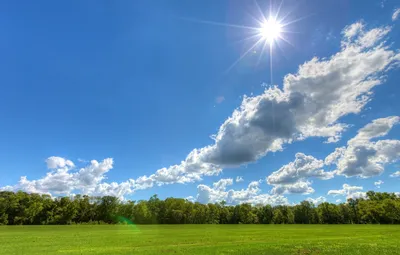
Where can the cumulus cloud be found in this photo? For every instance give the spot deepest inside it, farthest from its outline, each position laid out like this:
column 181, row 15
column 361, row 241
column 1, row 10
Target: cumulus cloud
column 300, row 187
column 292, row 178
column 239, row 179
column 349, row 191
column 62, row 180
column 316, row 201
column 378, row 184
column 188, row 171
column 335, row 156
column 396, row 14
column 302, row 167
column 309, row 104
column 222, row 184
column 353, row 30
column 89, row 176
column 252, row 194
column 54, row 162
column 115, row 189
column 363, row 156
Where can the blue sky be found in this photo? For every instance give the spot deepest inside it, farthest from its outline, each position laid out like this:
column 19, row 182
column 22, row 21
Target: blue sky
column 145, row 84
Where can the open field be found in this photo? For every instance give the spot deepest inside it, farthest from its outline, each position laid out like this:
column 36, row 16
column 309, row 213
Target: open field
column 201, row 239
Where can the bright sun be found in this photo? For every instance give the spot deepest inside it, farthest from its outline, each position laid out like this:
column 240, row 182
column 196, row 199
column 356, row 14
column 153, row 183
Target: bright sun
column 270, row 30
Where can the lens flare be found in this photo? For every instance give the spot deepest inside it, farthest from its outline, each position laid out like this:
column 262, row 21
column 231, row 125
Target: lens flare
column 128, row 222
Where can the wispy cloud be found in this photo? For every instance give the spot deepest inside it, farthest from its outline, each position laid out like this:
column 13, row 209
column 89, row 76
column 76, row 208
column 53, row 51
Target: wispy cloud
column 395, row 174
column 396, row 14
column 239, row 179
column 378, row 184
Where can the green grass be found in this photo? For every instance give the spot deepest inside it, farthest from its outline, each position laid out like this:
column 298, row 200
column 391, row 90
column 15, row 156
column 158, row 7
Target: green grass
column 201, row 239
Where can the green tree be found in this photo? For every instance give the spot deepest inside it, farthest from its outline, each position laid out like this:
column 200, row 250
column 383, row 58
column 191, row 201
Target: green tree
column 23, row 208
column 277, row 217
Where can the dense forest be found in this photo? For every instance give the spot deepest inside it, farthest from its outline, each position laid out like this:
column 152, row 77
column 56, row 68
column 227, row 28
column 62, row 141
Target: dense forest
column 21, row 208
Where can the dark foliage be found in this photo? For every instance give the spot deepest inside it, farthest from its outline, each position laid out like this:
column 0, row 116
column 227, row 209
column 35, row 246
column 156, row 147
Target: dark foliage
column 32, row 209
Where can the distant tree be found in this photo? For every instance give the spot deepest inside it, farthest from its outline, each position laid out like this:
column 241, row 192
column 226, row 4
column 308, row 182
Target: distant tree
column 32, row 209
column 246, row 215
column 303, row 213
column 142, row 214
column 277, row 217
column 329, row 213
column 108, row 209
column 266, row 214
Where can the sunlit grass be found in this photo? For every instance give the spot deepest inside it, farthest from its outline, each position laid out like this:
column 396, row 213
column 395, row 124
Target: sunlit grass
column 201, row 239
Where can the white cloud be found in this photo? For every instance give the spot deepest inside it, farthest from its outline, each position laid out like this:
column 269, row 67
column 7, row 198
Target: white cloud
column 7, row 188
column 301, row 168
column 54, row 162
column 91, row 175
column 396, row 14
column 363, row 157
column 300, row 187
column 239, row 179
column 61, row 180
column 222, row 184
column 190, row 170
column 378, row 184
column 251, row 194
column 377, row 128
column 191, row 199
column 338, row 200
column 292, row 178
column 317, row 201
column 348, row 191
column 395, row 174
column 353, row 30
column 335, row 156
column 310, row 104
column 115, row 189
column 356, row 195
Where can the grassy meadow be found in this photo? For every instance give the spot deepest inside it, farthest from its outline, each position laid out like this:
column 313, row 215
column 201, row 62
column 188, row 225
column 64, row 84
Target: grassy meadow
column 200, row 239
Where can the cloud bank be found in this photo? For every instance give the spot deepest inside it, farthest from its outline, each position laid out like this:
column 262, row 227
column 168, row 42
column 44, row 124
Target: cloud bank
column 252, row 194
column 64, row 179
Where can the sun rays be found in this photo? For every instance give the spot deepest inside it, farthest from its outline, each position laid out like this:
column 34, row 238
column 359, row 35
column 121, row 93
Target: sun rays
column 267, row 33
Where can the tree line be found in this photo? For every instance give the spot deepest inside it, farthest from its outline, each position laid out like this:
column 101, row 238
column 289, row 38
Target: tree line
column 21, row 208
